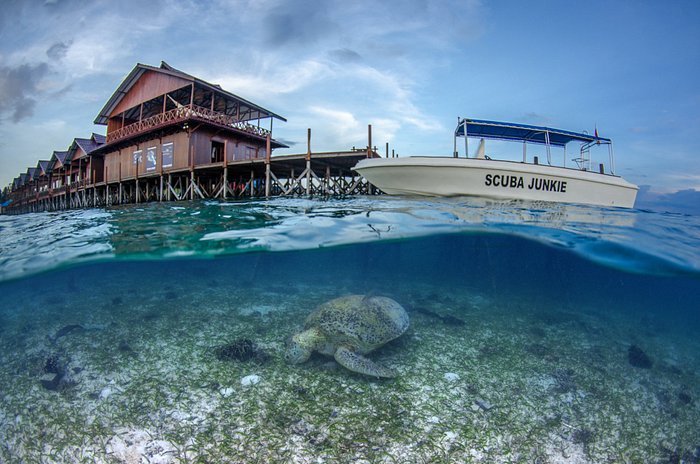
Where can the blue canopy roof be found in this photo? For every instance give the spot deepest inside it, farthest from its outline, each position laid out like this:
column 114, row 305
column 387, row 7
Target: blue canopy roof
column 523, row 133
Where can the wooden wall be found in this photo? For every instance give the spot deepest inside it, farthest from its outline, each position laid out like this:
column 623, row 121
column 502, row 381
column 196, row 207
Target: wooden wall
column 124, row 158
column 114, row 124
column 199, row 143
column 97, row 167
column 236, row 148
column 150, row 85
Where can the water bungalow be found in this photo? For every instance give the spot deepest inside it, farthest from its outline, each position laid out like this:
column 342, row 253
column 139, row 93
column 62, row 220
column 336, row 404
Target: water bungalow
column 173, row 136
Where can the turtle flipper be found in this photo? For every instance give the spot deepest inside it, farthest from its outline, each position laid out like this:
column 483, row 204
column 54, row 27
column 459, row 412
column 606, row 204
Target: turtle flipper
column 358, row 363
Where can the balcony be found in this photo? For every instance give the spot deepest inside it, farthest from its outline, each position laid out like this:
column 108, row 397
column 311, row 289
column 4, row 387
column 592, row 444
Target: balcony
column 182, row 114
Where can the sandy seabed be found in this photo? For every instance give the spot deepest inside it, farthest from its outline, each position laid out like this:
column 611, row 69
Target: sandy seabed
column 482, row 379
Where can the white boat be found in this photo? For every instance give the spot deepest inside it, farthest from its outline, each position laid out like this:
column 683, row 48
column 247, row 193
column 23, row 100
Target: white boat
column 487, row 176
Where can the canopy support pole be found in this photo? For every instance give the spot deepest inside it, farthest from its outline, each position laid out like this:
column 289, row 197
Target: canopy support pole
column 454, row 139
column 466, row 140
column 564, row 155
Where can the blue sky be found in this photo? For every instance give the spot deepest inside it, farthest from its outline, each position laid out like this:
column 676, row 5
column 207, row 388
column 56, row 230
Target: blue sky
column 629, row 68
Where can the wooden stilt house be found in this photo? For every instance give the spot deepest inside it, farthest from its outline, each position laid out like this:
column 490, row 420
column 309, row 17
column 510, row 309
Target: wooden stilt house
column 172, row 136
column 161, row 121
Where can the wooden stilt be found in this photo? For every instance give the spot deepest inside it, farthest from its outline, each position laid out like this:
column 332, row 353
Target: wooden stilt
column 267, row 167
column 369, row 140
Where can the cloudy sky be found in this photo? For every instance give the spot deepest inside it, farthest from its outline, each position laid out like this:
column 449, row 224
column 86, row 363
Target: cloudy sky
column 629, row 68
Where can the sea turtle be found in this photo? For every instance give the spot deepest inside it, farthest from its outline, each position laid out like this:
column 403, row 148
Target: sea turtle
column 347, row 328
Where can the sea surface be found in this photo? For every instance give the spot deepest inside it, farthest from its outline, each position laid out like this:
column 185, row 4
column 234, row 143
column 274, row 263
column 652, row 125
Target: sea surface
column 539, row 333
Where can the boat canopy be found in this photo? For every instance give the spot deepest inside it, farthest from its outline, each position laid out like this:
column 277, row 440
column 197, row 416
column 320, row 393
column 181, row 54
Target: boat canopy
column 523, row 133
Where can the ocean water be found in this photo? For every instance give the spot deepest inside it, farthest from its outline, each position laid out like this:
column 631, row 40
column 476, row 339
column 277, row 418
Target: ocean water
column 539, row 333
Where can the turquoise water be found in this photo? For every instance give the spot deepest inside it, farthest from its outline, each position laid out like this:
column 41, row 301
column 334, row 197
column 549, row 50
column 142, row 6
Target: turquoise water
column 527, row 324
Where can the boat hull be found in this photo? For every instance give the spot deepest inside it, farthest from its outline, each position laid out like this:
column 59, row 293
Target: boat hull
column 435, row 176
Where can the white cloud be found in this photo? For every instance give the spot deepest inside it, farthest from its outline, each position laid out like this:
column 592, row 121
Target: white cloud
column 272, row 79
column 385, row 130
column 397, row 98
column 338, row 125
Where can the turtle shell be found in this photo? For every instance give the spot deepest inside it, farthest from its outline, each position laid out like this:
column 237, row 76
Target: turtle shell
column 364, row 322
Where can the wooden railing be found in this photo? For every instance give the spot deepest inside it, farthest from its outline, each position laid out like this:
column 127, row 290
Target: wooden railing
column 181, row 114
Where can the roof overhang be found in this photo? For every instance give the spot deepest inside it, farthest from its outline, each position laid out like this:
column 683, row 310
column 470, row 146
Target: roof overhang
column 165, row 68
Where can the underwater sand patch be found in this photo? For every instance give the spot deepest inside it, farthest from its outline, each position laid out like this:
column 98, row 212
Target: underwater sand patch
column 132, row 446
column 260, row 310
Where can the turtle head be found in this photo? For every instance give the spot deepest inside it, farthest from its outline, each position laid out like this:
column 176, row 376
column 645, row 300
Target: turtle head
column 300, row 346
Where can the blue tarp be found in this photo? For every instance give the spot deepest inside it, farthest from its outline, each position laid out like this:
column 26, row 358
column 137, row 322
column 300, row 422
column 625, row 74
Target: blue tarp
column 522, row 133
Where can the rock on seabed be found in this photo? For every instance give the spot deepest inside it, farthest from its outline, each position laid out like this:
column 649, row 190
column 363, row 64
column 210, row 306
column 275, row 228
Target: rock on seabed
column 249, row 380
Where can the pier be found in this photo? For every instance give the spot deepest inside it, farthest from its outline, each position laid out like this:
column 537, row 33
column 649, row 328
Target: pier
column 320, row 174
column 171, row 137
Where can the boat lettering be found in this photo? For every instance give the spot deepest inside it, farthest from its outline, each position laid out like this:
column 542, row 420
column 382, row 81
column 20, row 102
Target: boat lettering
column 498, row 180
column 547, row 185
column 536, row 183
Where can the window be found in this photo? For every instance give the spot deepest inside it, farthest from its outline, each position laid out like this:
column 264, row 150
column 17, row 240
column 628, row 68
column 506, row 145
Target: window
column 217, row 152
column 151, row 159
column 168, row 155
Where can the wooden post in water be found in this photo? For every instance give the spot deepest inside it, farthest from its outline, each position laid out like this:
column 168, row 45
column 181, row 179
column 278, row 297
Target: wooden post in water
column 191, row 155
column 225, row 182
column 308, row 161
column 369, row 140
column 369, row 150
column 267, row 166
column 120, row 180
column 137, row 180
